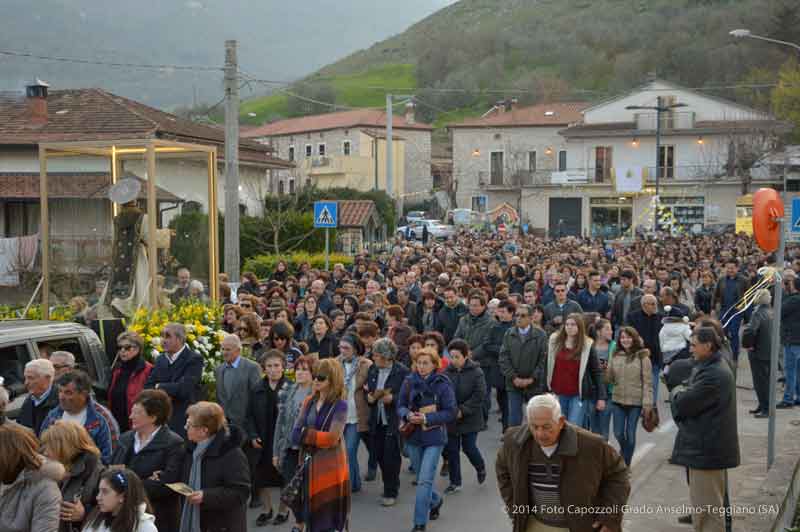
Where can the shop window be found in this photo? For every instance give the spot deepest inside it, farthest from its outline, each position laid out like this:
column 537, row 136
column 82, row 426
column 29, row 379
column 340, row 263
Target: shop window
column 611, row 218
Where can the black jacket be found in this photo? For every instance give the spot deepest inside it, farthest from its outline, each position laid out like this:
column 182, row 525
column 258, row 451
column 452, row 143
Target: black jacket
column 705, row 412
column 619, row 305
column 760, row 326
column 448, row 320
column 703, row 298
column 790, row 318
column 490, row 361
column 719, row 291
column 469, row 387
column 262, row 413
column 33, row 416
column 181, row 381
column 81, row 481
column 165, row 454
column 225, row 482
column 328, row 347
column 648, row 327
column 394, row 382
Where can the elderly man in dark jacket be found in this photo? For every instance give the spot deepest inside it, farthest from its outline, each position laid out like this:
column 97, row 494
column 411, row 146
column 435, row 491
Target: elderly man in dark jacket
column 560, row 475
column 523, row 363
column 647, row 323
column 704, row 408
column 469, row 387
column 759, row 331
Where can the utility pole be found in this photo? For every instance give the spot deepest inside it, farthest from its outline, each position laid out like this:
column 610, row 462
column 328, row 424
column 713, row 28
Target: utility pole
column 389, row 168
column 231, row 162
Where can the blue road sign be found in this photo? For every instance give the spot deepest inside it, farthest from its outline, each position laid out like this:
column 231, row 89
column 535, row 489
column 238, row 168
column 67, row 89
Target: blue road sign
column 796, row 215
column 326, row 214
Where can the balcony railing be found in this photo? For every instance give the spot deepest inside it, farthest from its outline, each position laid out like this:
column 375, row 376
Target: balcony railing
column 674, row 120
column 513, row 179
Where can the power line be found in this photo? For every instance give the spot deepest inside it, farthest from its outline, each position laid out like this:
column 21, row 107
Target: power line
column 82, row 61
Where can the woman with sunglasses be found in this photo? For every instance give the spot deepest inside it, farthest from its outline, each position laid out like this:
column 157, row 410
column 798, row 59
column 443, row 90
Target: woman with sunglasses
column 320, row 432
column 282, row 338
column 285, row 455
column 249, row 332
column 128, row 375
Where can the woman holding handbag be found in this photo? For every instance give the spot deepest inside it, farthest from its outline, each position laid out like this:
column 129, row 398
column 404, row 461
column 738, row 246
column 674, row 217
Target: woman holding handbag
column 629, row 371
column 319, row 433
column 426, row 406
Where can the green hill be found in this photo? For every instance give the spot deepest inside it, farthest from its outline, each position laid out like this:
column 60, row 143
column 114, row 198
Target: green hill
column 467, row 56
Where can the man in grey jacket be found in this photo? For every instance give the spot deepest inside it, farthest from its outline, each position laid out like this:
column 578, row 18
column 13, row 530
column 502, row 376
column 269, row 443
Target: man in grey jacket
column 523, row 363
column 557, row 310
column 237, row 377
column 474, row 328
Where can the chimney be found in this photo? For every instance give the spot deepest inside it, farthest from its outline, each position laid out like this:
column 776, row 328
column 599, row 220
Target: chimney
column 410, row 116
column 36, row 94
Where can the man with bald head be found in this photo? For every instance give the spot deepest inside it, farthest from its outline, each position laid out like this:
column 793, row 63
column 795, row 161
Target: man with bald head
column 237, row 377
column 647, row 322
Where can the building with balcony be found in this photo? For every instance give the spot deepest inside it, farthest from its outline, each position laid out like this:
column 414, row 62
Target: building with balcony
column 597, row 175
column 348, row 148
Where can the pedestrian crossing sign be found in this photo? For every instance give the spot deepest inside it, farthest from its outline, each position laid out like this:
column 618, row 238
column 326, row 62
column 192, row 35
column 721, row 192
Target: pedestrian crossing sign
column 326, row 214
column 795, row 215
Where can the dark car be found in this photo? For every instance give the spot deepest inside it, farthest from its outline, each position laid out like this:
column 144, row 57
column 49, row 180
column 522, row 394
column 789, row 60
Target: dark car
column 21, row 341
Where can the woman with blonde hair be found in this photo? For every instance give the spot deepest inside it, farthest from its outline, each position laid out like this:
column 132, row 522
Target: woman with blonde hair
column 30, row 500
column 320, row 430
column 68, row 443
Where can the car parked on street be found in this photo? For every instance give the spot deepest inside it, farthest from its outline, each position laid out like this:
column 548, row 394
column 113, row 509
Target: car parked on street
column 24, row 340
column 436, row 230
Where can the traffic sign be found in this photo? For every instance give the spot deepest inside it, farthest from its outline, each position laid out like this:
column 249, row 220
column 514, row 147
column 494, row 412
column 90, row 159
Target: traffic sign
column 795, row 215
column 326, row 214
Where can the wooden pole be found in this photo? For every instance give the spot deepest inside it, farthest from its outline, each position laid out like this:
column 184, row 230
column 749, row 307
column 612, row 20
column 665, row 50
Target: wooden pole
column 213, row 228
column 152, row 211
column 44, row 228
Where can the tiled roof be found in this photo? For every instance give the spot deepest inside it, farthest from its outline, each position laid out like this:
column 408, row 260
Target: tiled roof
column 378, row 134
column 94, row 114
column 355, row 213
column 75, row 185
column 341, row 120
column 546, row 114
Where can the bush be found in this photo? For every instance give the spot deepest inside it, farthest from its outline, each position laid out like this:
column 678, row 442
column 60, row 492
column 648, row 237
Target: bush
column 264, row 265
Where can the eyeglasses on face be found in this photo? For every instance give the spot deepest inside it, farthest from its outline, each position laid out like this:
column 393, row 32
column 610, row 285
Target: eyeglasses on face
column 320, row 378
column 126, row 347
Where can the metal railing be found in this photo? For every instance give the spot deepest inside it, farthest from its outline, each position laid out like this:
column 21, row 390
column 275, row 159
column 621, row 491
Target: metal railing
column 673, row 120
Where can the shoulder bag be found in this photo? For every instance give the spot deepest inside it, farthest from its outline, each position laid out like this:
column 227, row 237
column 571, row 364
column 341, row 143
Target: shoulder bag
column 650, row 418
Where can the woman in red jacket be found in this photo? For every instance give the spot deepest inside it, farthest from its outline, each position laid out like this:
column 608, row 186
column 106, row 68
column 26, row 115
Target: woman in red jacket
column 128, row 375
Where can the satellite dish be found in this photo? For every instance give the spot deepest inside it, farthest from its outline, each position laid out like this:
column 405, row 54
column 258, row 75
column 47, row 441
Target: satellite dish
column 125, row 190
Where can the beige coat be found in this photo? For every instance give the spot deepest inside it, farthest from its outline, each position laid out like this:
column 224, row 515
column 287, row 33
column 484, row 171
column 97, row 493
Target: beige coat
column 632, row 377
column 33, row 501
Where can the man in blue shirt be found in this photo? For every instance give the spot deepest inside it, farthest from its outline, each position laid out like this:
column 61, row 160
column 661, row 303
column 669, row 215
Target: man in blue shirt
column 592, row 299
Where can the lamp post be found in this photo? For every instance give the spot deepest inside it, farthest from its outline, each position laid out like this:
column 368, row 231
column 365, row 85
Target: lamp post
column 746, row 34
column 659, row 108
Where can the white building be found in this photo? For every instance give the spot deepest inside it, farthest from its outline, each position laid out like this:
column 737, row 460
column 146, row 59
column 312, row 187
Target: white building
column 603, row 181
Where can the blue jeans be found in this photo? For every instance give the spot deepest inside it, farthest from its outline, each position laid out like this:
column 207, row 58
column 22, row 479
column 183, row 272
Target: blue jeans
column 351, row 441
column 732, row 331
column 425, row 461
column 600, row 422
column 656, row 382
column 515, row 405
column 469, row 444
column 791, row 365
column 626, row 420
column 574, row 409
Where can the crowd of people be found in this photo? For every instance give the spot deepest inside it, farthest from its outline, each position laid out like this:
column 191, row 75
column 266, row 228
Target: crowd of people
column 405, row 354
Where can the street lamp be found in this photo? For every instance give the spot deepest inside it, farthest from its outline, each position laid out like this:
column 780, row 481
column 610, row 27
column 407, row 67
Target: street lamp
column 747, row 34
column 659, row 108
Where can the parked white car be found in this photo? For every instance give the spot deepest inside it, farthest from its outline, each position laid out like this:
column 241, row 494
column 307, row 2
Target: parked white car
column 436, row 230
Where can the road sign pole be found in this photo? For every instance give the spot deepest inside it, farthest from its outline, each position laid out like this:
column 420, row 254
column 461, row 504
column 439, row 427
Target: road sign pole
column 776, row 341
column 327, row 250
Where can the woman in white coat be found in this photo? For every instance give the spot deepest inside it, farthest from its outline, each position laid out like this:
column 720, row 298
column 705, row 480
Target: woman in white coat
column 121, row 505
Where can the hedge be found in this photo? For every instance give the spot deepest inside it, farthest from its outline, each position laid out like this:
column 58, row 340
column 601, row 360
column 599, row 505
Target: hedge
column 264, row 265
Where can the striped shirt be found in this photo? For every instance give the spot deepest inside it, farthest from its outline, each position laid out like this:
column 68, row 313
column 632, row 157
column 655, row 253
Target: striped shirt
column 544, row 478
